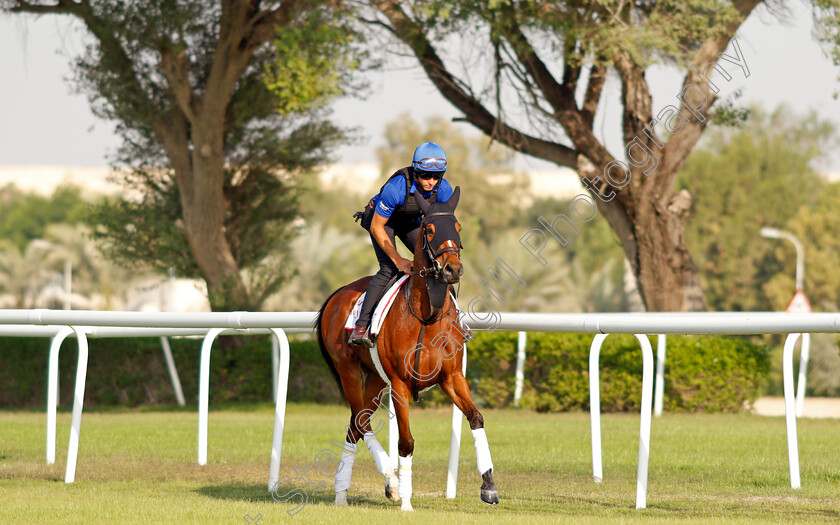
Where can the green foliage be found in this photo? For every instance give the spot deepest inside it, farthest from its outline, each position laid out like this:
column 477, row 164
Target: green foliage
column 728, row 113
column 251, row 85
column 143, row 233
column 743, row 179
column 649, row 31
column 326, row 260
column 703, row 374
column 25, row 216
column 132, row 372
column 816, row 226
column 827, row 28
column 310, row 59
column 713, row 374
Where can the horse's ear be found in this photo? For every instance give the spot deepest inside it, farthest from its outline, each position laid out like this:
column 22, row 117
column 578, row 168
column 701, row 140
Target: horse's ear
column 453, row 200
column 422, row 203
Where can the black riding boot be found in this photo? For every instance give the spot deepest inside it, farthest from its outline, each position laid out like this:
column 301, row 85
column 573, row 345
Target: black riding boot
column 359, row 336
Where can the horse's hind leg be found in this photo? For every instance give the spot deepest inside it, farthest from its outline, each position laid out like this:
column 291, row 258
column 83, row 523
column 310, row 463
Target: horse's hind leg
column 351, row 382
column 370, row 421
column 456, row 387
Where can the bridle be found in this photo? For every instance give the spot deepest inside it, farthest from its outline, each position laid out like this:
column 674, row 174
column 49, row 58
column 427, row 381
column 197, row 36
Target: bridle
column 431, row 255
column 435, row 273
column 436, row 287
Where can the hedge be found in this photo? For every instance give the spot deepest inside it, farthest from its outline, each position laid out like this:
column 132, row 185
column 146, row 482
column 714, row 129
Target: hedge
column 132, row 372
column 703, row 374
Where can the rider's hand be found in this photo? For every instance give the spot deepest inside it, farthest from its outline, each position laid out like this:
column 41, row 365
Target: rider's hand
column 403, row 265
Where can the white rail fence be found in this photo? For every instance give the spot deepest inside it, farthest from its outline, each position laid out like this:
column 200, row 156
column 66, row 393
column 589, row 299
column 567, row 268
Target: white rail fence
column 138, row 324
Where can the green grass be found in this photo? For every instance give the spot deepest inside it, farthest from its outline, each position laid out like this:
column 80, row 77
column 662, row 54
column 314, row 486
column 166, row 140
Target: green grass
column 140, row 467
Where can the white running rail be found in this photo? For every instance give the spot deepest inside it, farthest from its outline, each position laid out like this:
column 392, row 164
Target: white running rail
column 84, row 323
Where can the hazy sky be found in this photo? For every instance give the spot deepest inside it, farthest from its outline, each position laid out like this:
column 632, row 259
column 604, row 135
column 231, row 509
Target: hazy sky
column 43, row 123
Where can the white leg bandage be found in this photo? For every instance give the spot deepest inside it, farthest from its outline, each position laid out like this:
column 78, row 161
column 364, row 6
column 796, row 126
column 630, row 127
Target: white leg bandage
column 405, row 479
column 482, row 451
column 345, row 468
column 380, row 457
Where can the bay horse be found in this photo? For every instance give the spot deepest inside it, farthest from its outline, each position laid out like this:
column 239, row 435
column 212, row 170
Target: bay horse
column 424, row 314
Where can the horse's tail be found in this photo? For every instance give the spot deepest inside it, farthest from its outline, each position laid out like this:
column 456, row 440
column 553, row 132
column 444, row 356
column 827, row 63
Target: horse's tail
column 324, row 352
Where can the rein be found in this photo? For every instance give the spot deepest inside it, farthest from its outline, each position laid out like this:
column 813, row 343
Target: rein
column 435, row 272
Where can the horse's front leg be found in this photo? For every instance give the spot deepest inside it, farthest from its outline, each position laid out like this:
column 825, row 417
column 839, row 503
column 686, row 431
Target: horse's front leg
column 401, row 394
column 456, row 387
column 374, row 388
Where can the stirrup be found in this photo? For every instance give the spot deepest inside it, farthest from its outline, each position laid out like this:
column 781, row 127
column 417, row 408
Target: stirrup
column 360, row 339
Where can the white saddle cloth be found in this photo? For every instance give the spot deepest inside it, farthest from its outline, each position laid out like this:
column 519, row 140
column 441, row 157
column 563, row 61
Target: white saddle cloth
column 381, row 309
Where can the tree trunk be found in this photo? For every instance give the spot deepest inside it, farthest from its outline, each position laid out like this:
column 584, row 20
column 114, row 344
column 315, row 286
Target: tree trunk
column 204, row 209
column 651, row 231
column 666, row 275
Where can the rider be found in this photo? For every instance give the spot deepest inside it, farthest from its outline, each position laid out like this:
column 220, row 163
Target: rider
column 397, row 215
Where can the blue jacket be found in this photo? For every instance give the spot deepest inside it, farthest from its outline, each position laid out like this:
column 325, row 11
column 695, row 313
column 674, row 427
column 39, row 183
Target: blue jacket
column 393, row 195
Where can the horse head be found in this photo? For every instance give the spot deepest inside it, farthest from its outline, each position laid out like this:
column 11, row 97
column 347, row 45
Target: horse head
column 440, row 239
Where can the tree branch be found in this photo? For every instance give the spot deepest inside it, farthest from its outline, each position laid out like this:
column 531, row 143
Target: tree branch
column 475, row 112
column 61, row 7
column 174, row 66
column 636, row 98
column 571, row 73
column 597, row 76
column 680, row 145
column 559, row 96
column 262, row 26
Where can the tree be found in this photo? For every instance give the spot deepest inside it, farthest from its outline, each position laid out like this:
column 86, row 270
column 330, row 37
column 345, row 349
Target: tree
column 220, row 105
column 510, row 71
column 22, row 274
column 759, row 175
column 101, row 282
column 327, row 259
column 26, row 216
column 816, row 225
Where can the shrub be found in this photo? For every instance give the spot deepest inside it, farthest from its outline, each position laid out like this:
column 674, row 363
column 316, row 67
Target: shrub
column 703, row 374
column 132, row 372
column 713, row 374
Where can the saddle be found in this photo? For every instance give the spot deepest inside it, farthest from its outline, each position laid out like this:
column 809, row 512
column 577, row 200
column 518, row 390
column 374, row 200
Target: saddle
column 382, row 306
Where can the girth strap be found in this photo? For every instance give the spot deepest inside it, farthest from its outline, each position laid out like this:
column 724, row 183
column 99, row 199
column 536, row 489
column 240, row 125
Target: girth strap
column 415, row 392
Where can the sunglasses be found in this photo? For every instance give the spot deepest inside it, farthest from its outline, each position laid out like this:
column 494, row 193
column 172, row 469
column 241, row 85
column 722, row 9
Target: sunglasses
column 431, row 163
column 426, row 175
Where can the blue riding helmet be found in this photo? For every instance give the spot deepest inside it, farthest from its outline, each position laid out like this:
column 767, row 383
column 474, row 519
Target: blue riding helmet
column 429, row 156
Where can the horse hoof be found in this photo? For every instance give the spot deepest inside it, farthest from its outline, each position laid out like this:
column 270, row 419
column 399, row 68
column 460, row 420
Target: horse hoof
column 489, row 494
column 490, row 497
column 341, row 499
column 391, row 488
column 406, row 506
